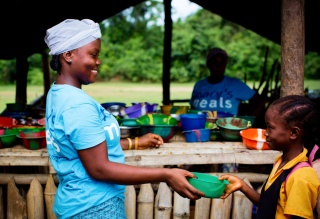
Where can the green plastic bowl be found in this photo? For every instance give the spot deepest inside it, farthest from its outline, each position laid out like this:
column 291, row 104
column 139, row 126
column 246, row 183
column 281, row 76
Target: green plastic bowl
column 210, row 185
column 7, row 140
column 157, row 119
column 230, row 127
column 165, row 131
column 132, row 122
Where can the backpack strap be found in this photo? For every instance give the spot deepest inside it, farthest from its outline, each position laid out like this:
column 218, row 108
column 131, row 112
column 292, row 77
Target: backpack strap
column 302, row 164
column 312, row 153
column 297, row 166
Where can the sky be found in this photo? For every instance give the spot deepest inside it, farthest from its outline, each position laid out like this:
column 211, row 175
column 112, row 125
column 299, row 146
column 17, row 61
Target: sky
column 183, row 8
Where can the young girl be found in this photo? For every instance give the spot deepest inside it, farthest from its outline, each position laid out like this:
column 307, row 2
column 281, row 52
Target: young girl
column 293, row 128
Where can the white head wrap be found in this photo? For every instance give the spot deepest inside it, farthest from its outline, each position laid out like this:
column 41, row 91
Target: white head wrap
column 71, row 34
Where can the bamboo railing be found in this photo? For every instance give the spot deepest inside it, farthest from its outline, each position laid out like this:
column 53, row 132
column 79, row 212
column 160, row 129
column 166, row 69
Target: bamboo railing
column 141, row 202
column 31, row 195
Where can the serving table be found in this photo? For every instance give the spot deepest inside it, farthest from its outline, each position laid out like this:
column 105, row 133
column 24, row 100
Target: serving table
column 172, row 153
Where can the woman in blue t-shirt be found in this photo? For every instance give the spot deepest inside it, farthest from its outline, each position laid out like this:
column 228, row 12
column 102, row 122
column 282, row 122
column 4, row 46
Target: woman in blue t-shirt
column 83, row 139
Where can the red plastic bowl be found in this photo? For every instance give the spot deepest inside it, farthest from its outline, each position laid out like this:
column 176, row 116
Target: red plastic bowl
column 33, row 140
column 7, row 122
column 31, row 134
column 253, row 138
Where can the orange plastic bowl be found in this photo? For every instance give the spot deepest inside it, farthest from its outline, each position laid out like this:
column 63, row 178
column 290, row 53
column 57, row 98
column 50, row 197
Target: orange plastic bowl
column 253, row 138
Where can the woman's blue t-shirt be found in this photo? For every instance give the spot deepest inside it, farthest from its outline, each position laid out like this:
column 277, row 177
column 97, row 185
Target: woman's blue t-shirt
column 75, row 121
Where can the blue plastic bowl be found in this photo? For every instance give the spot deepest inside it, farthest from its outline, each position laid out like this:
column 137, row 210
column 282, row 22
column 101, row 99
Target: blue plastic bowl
column 197, row 135
column 192, row 121
column 108, row 104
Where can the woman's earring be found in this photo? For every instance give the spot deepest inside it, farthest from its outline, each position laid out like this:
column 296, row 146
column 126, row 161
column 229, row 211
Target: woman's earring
column 70, row 61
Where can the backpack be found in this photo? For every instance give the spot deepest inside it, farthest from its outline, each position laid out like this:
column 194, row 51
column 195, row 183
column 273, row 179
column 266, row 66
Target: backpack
column 310, row 163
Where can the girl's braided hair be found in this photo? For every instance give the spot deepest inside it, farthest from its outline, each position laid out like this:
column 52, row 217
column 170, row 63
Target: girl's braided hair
column 302, row 112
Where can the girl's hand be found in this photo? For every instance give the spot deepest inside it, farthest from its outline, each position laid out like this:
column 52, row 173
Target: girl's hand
column 235, row 184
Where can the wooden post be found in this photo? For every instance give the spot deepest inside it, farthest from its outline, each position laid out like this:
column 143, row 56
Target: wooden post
column 242, row 206
column 166, row 52
column 2, row 209
column 181, row 207
column 221, row 208
column 202, row 208
column 130, row 202
column 163, row 202
column 49, row 193
column 16, row 204
column 35, row 202
column 22, row 66
column 46, row 76
column 145, row 202
column 293, row 47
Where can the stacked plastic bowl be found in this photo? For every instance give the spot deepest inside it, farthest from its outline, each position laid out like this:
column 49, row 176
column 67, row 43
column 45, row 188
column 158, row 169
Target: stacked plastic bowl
column 193, row 126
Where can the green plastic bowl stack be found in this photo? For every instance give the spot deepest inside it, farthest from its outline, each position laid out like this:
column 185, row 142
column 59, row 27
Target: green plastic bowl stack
column 210, row 185
column 8, row 139
column 160, row 124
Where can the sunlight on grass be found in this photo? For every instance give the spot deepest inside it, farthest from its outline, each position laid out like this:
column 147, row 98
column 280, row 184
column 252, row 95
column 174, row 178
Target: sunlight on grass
column 121, row 92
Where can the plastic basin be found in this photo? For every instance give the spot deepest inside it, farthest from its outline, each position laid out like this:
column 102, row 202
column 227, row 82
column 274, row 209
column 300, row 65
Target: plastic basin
column 165, row 131
column 7, row 140
column 156, row 119
column 253, row 138
column 130, row 131
column 192, row 121
column 210, row 185
column 7, row 122
column 197, row 135
column 129, row 122
column 134, row 111
column 230, row 127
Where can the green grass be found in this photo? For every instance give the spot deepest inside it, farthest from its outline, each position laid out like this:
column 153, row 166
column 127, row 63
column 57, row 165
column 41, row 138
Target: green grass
column 120, row 92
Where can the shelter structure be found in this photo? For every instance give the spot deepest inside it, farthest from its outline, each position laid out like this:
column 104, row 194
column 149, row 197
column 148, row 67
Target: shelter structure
column 292, row 23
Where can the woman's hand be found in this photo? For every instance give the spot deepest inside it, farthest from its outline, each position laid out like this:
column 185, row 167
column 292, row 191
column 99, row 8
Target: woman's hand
column 148, row 140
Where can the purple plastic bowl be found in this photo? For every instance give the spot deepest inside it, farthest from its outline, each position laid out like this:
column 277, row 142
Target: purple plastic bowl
column 134, row 111
column 151, row 107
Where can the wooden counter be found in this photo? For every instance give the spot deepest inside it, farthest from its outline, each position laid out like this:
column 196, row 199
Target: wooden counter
column 173, row 153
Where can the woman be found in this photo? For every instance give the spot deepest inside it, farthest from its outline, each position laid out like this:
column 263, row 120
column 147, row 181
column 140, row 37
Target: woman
column 83, row 139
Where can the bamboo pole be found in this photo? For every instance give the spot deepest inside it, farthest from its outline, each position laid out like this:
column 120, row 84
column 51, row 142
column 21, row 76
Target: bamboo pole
column 25, row 179
column 163, row 202
column 16, row 204
column 221, row 208
column 35, row 202
column 49, row 193
column 181, row 207
column 242, row 206
column 2, row 210
column 145, row 202
column 202, row 208
column 130, row 202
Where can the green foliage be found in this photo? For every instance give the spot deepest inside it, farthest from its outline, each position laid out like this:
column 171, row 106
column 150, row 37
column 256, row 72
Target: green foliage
column 35, row 74
column 132, row 49
column 8, row 71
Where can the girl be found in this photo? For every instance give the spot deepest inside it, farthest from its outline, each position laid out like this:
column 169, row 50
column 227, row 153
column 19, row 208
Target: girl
column 292, row 127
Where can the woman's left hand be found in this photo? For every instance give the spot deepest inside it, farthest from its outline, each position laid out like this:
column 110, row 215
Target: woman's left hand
column 148, row 140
